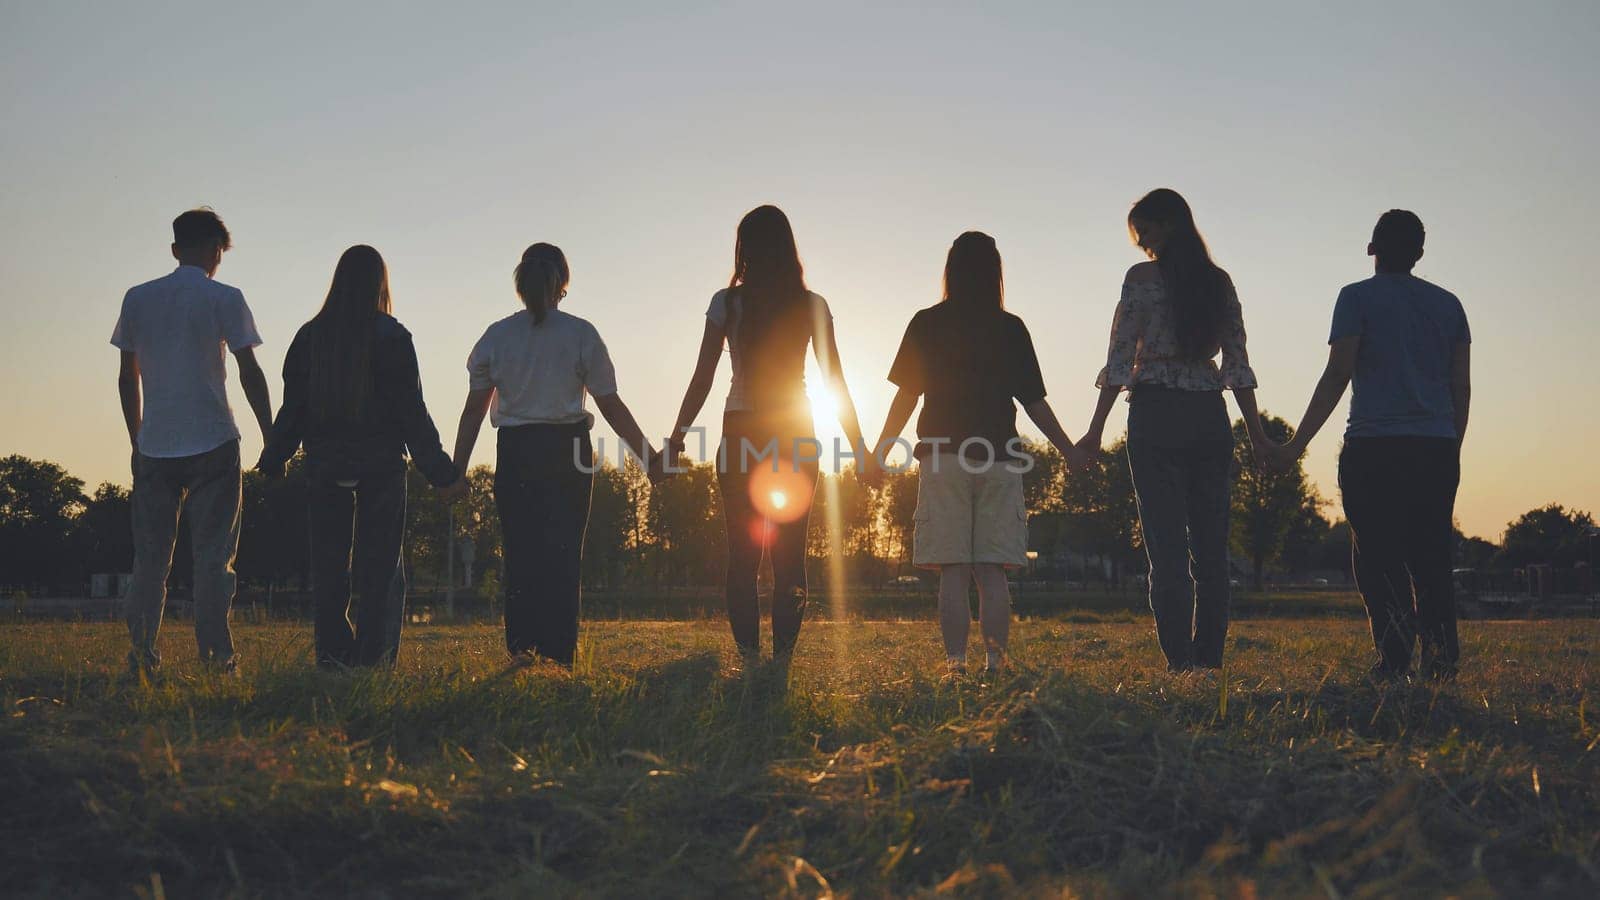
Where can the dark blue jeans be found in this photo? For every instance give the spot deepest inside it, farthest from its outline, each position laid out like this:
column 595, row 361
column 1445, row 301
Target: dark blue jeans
column 1180, row 453
column 1399, row 497
column 356, row 532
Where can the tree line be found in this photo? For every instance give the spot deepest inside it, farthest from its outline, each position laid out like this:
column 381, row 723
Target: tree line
column 1083, row 527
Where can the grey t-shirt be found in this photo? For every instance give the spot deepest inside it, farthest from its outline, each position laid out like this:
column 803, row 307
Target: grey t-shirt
column 178, row 326
column 542, row 374
column 1409, row 329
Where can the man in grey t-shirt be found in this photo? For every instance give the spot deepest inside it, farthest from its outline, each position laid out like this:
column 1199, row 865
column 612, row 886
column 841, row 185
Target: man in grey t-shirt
column 173, row 382
column 1405, row 345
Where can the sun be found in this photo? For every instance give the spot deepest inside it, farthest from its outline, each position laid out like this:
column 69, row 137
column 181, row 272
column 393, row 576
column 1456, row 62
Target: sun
column 824, row 415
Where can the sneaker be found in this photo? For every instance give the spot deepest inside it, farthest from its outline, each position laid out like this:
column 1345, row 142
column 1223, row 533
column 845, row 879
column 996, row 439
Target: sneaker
column 1383, row 675
column 954, row 670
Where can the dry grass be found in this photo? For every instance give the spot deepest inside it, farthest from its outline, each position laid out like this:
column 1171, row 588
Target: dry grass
column 658, row 771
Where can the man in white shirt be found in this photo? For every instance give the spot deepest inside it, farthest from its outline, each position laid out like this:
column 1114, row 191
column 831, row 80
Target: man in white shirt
column 173, row 383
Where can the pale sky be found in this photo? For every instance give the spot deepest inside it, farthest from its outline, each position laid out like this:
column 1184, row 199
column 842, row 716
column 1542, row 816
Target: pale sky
column 450, row 136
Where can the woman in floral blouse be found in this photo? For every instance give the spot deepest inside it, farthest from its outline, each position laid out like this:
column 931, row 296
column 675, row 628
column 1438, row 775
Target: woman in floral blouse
column 1177, row 312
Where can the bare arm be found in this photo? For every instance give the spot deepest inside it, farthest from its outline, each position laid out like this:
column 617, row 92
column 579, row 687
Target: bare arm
column 1461, row 387
column 827, row 352
column 128, row 389
column 256, row 392
column 900, row 410
column 472, row 413
column 621, row 420
column 1097, row 424
column 1246, row 398
column 1045, row 417
column 1330, row 389
column 705, row 370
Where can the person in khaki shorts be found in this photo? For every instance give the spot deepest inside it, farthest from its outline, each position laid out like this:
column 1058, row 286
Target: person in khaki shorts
column 968, row 360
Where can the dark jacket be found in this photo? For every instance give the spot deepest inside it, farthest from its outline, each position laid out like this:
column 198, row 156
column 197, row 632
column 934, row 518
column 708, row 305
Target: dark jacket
column 394, row 421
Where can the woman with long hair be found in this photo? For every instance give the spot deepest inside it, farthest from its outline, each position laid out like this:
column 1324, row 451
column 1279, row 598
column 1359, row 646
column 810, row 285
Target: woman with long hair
column 768, row 468
column 1177, row 312
column 536, row 367
column 970, row 362
column 352, row 396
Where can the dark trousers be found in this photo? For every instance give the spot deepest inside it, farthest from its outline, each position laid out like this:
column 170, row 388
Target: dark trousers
column 1399, row 498
column 542, row 496
column 1180, row 453
column 751, row 531
column 356, row 532
column 207, row 486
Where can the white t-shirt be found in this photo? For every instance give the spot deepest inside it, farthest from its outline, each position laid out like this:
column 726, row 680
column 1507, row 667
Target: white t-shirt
column 717, row 313
column 540, row 372
column 178, row 326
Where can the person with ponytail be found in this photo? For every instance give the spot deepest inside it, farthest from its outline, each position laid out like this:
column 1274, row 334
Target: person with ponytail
column 531, row 372
column 353, row 398
column 1177, row 312
column 970, row 362
column 767, row 472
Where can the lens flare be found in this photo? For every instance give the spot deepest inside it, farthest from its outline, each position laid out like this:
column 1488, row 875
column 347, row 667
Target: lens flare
column 780, row 496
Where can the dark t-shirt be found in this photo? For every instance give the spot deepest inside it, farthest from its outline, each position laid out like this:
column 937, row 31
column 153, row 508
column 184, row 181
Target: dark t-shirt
column 968, row 364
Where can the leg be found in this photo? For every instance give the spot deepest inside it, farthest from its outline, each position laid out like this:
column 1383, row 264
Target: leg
column 955, row 610
column 331, row 511
column 380, row 524
column 789, row 589
column 213, row 505
column 994, row 610
column 1161, row 490
column 1209, row 502
column 1429, row 555
column 746, row 529
column 561, row 560
column 157, row 497
column 514, row 503
column 1374, row 506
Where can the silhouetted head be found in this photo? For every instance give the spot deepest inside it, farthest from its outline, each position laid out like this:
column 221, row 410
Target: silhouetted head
column 341, row 358
column 1397, row 241
column 769, row 316
column 972, row 273
column 199, row 239
column 541, row 278
column 1162, row 224
column 360, row 285
column 764, row 254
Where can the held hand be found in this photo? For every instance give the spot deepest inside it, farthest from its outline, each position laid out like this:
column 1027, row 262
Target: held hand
column 869, row 473
column 456, row 490
column 656, row 468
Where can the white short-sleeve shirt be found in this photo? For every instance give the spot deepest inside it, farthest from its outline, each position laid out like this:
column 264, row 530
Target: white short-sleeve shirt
column 717, row 314
column 541, row 373
column 178, row 327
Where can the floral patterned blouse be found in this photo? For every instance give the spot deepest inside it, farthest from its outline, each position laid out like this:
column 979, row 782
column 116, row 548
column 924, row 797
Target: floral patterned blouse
column 1145, row 347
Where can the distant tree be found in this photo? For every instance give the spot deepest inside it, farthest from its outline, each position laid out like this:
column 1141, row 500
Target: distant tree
column 1266, row 504
column 1474, row 552
column 104, row 530
column 899, row 493
column 274, row 537
column 39, row 503
column 1308, row 531
column 616, row 521
column 1101, row 511
column 1550, row 534
column 685, row 518
column 1044, row 481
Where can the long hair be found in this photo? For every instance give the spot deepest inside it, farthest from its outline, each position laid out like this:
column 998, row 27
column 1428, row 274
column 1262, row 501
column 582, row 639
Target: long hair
column 341, row 350
column 768, row 278
column 541, row 278
column 972, row 274
column 1197, row 287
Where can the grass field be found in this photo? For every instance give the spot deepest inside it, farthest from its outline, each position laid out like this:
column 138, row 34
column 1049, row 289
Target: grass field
column 657, row 770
